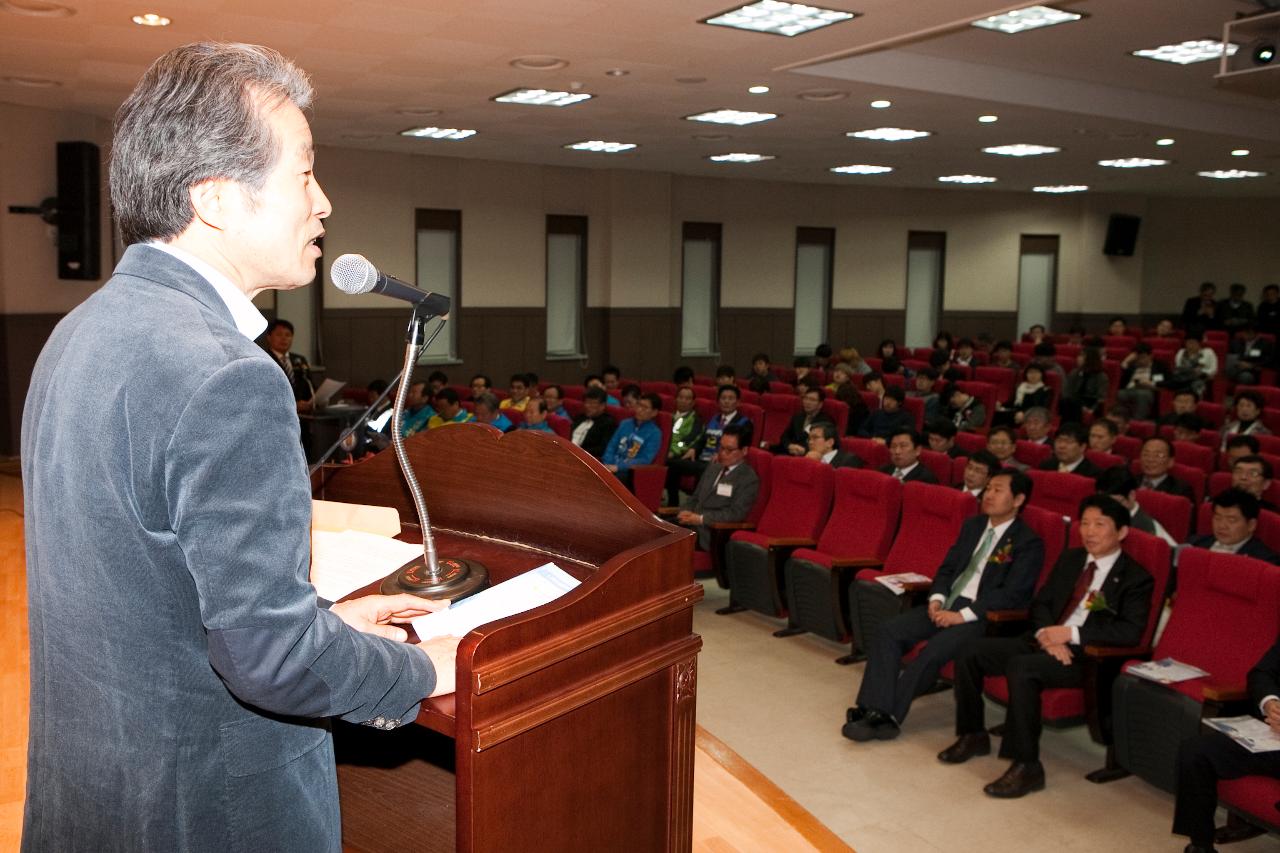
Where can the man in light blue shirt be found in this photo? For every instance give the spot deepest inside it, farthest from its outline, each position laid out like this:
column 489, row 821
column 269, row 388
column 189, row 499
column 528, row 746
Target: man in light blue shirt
column 636, row 440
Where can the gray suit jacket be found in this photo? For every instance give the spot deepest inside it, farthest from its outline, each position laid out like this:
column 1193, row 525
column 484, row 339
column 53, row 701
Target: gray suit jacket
column 714, row 507
column 181, row 666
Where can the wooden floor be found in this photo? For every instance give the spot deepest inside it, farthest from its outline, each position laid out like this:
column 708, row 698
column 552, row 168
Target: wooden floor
column 735, row 807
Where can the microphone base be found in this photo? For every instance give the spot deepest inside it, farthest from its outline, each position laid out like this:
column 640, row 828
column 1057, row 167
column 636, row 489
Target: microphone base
column 457, row 579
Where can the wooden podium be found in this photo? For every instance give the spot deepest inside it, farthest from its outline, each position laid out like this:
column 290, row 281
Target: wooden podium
column 573, row 724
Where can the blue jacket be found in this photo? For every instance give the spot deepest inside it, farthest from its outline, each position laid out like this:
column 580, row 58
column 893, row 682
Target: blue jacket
column 633, row 444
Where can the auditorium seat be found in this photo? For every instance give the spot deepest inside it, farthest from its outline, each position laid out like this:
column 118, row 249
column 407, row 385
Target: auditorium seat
column 914, row 406
column 782, row 387
column 838, row 411
column 1220, row 480
column 712, row 560
column 873, row 454
column 572, row 405
column 1105, row 460
column 1270, row 395
column 755, row 414
column 560, row 426
column 648, row 481
column 1141, row 430
column 655, row 387
column 1059, row 492
column 986, row 392
column 971, row 442
column 1032, row 454
column 1174, row 512
column 1252, row 799
column 778, row 411
column 1195, row 455
column 940, row 465
column 706, row 392
column 1194, row 477
column 1002, row 378
column 1128, row 446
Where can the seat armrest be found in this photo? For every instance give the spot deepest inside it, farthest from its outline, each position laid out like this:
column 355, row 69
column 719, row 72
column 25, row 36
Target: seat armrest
column 915, row 587
column 1008, row 615
column 856, row 563
column 1225, row 692
column 790, row 542
column 1104, row 652
column 668, row 510
column 731, row 525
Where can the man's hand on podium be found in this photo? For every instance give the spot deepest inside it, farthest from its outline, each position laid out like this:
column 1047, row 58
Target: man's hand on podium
column 443, row 652
column 375, row 614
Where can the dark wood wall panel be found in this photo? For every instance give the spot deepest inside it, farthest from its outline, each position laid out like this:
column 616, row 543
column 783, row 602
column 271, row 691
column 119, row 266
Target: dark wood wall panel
column 21, row 338
column 865, row 328
column 747, row 331
column 1000, row 325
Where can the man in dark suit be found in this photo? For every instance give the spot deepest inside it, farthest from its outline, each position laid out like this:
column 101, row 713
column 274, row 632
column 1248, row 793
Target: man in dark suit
column 1208, row 757
column 1122, row 486
column 904, row 458
column 1235, row 519
column 727, row 489
column 795, row 438
column 276, row 341
column 1200, row 313
column 1096, row 596
column 992, row 566
column 1249, row 355
column 967, row 412
column 978, row 471
column 592, row 429
column 1068, row 452
column 941, row 435
column 822, row 447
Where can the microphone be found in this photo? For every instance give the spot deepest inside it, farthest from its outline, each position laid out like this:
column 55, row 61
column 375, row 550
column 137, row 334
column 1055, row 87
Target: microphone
column 354, row 274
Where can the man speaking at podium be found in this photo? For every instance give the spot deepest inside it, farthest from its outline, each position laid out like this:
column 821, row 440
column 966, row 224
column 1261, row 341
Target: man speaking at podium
column 182, row 668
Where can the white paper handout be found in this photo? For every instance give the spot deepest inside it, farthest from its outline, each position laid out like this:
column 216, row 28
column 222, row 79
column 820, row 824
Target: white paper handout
column 895, row 582
column 325, row 392
column 1166, row 671
column 342, row 562
column 1250, row 732
column 523, row 592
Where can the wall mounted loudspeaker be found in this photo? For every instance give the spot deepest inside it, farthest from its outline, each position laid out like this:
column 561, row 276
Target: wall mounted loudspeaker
column 79, row 211
column 1122, row 235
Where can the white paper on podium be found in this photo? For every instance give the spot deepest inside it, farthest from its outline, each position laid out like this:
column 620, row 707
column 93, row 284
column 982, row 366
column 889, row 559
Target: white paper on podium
column 523, row 592
column 326, row 391
column 342, row 562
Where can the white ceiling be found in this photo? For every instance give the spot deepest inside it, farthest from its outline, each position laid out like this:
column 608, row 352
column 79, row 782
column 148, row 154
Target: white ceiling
column 1073, row 86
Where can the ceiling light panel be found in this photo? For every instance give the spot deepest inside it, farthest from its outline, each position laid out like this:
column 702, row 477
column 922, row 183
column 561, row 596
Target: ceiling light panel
column 151, row 19
column 888, row 134
column 988, row 119
column 739, row 157
column 600, row 146
column 1133, row 163
column 1231, row 174
column 541, row 97
column 861, row 169
column 967, row 179
column 1059, row 189
column 452, row 133
column 738, row 117
column 1187, row 52
column 778, row 18
column 1021, row 149
column 1030, row 18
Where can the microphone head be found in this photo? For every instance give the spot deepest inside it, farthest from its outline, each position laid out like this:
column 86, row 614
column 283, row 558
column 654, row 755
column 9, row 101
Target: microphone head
column 353, row 274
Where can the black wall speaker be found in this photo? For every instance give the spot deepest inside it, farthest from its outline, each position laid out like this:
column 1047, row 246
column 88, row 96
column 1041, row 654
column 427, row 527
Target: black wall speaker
column 1122, row 235
column 79, row 211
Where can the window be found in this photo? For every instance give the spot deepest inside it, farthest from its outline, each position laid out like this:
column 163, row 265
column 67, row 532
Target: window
column 566, row 285
column 926, row 260
column 815, row 254
column 700, row 300
column 439, row 256
column 1037, row 280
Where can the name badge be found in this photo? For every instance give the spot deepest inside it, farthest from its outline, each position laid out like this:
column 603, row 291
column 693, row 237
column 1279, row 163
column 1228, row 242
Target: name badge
column 1255, row 353
column 1157, row 377
column 724, row 490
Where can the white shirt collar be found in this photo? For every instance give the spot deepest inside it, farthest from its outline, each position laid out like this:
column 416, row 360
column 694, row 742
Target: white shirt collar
column 828, row 456
column 1104, row 565
column 1000, row 529
column 248, row 319
column 909, row 468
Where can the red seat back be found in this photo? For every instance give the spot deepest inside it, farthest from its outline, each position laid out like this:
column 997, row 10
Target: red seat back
column 1270, row 396
column 957, row 469
column 1052, row 530
column 1268, row 530
column 1059, row 492
column 931, row 520
column 778, row 411
column 1212, row 413
column 864, row 516
column 1031, row 453
column 1128, row 446
column 1105, row 460
column 914, row 406
column 656, row 387
column 971, row 442
column 776, row 387
column 799, row 498
column 762, row 462
column 984, row 391
column 1004, row 380
column 873, row 454
column 838, row 411
column 562, row 427
column 755, row 414
column 1194, row 454
column 1172, row 511
column 939, row 464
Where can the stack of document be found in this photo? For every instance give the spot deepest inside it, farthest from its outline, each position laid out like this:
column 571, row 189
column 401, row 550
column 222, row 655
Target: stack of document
column 523, row 592
column 1166, row 671
column 895, row 582
column 1250, row 732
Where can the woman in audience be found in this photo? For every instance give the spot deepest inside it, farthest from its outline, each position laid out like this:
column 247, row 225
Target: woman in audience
column 1031, row 392
column 1036, row 334
column 1118, row 327
column 841, row 375
column 853, row 358
column 1194, row 366
column 1085, row 388
column 888, row 349
column 1246, row 417
column 944, row 342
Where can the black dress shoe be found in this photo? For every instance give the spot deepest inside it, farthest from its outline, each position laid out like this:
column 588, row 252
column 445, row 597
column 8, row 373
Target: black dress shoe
column 1196, row 848
column 1235, row 831
column 1020, row 779
column 966, row 747
column 874, row 725
column 732, row 608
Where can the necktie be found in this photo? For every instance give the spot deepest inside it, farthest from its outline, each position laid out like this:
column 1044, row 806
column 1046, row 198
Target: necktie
column 1081, row 589
column 1148, row 484
column 288, row 366
column 974, row 563
column 899, row 474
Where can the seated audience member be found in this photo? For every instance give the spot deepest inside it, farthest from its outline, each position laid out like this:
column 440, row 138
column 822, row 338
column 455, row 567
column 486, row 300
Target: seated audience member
column 1123, row 486
column 841, row 375
column 874, row 382
column 1187, row 428
column 417, row 410
column 1002, row 442
column 448, row 410
column 1068, row 452
column 686, row 426
column 631, row 395
column 963, row 356
column 800, row 365
column 519, row 393
column 853, row 358
column 888, row 348
column 488, row 412
column 636, row 441
column 1035, row 425
column 761, row 375
column 695, row 460
column 1194, row 366
column 1248, row 355
column 1095, row 596
column 1205, row 758
column 1241, row 445
column 276, row 340
column 858, row 409
column 904, row 458
column 1102, row 436
column 822, row 355
column 1030, row 393
column 1120, row 415
column 993, row 565
column 531, row 382
column 611, row 376
column 1037, row 333
column 824, row 448
column 944, row 342
column 1185, row 401
column 795, row 438
column 535, row 416
column 978, row 470
column 1235, row 518
column 889, row 418
column 553, row 396
column 436, row 380
column 926, row 378
column 1085, row 388
column 727, row 488
column 940, row 360
column 595, row 380
column 682, row 377
column 941, row 434
column 480, row 384
column 1200, row 313
column 1045, row 352
column 725, row 375
column 1268, row 316
column 1140, row 374
column 1253, row 475
column 1164, row 328
column 1118, row 327
column 966, row 411
column 1235, row 312
column 1156, row 461
column 892, row 366
column 592, row 429
column 1002, row 355
column 1246, row 417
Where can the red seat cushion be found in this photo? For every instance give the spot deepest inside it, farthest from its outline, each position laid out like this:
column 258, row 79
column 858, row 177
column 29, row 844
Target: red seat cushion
column 1255, row 795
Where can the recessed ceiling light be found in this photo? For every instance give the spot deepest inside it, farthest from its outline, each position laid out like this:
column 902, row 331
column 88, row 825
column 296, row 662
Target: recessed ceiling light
column 1030, row 18
column 1021, row 149
column 151, row 19
column 452, row 133
column 420, row 112
column 36, row 8
column 821, row 95
column 1187, row 52
column 778, row 18
column 861, row 169
column 739, row 157
column 539, row 62
column 600, row 146
column 617, row 72
column 758, row 90
column 1240, row 152
column 732, row 117
column 881, row 104
column 888, row 134
column 1231, row 174
column 711, row 137
column 1165, row 141
column 31, row 82
column 541, row 97
column 1061, row 188
column 966, row 179
column 988, row 119
column 1133, row 163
